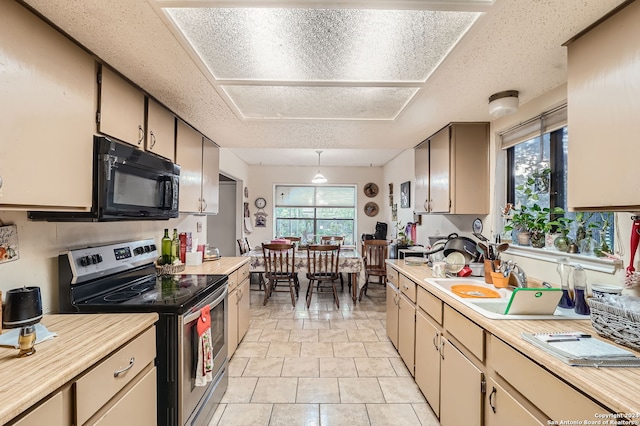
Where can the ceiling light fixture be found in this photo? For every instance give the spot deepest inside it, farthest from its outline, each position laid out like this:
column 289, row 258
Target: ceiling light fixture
column 503, row 103
column 319, row 178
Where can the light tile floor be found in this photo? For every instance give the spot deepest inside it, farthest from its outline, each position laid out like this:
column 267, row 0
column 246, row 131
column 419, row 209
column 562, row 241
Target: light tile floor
column 320, row 366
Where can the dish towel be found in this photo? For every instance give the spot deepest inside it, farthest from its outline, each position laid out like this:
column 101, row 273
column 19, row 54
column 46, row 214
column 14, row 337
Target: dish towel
column 204, row 367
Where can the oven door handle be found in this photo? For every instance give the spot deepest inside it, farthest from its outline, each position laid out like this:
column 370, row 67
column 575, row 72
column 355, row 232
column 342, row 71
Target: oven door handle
column 196, row 314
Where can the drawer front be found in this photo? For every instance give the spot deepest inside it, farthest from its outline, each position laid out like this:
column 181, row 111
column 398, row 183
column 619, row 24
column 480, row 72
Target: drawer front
column 233, row 280
column 51, row 412
column 408, row 288
column 540, row 386
column 430, row 304
column 392, row 276
column 96, row 387
column 243, row 272
column 136, row 407
column 465, row 331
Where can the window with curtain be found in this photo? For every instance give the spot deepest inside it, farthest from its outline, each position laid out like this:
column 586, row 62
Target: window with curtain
column 311, row 212
column 537, row 152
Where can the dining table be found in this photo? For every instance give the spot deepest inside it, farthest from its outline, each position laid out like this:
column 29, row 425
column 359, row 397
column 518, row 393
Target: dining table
column 350, row 262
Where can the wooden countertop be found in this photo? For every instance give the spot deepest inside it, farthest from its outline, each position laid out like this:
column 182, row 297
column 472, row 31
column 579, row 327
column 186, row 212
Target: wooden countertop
column 615, row 388
column 224, row 265
column 82, row 341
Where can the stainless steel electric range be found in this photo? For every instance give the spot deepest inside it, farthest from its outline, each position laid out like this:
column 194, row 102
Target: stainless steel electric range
column 122, row 278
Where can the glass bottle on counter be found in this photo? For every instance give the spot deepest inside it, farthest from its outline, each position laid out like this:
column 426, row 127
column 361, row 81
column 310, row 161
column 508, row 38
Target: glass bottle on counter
column 166, row 248
column 564, row 269
column 175, row 246
column 580, row 290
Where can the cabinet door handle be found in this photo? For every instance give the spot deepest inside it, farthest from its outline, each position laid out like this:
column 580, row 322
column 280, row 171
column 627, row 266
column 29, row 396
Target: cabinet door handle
column 442, row 349
column 127, row 368
column 492, row 396
column 153, row 139
column 140, row 134
column 435, row 344
column 240, row 295
column 0, row 182
column 204, row 204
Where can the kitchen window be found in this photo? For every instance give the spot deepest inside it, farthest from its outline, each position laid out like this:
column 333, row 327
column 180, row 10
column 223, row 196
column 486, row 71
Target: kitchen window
column 537, row 151
column 311, row 212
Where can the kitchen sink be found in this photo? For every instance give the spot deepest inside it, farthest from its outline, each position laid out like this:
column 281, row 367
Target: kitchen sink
column 495, row 307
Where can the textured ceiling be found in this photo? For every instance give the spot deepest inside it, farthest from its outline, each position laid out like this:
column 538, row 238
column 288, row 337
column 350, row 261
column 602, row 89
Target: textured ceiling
column 515, row 44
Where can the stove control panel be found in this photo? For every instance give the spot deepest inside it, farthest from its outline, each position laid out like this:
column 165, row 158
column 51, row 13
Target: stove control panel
column 91, row 262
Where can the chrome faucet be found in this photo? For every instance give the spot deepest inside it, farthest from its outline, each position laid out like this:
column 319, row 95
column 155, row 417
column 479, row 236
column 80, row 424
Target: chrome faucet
column 520, row 276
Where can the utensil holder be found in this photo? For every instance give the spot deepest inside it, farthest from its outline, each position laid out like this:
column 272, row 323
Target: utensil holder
column 499, row 280
column 488, row 270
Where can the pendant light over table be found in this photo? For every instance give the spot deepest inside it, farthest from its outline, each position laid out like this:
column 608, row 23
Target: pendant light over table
column 319, row 178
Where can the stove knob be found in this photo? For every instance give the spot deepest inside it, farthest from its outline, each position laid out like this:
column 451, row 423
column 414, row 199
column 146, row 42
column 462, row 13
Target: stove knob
column 99, row 258
column 138, row 250
column 94, row 259
column 152, row 247
column 147, row 249
column 84, row 260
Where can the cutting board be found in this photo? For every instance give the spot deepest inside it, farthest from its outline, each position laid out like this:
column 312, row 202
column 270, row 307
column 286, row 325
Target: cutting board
column 533, row 301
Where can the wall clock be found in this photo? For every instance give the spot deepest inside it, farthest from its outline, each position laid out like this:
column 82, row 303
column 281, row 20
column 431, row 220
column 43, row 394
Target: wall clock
column 261, row 203
column 371, row 190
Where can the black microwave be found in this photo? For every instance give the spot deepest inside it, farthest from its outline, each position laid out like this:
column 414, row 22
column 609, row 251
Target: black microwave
column 128, row 184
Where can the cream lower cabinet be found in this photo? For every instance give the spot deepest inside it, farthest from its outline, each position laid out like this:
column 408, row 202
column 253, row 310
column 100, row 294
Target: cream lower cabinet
column 427, row 375
column 461, row 388
column 502, row 408
column 407, row 322
column 553, row 397
column 119, row 390
column 393, row 299
column 47, row 99
column 239, row 305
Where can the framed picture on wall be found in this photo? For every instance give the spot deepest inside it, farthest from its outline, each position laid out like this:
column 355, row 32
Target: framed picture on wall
column 405, row 195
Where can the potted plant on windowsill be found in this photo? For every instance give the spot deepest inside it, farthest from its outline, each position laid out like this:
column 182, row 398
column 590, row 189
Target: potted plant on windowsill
column 521, row 221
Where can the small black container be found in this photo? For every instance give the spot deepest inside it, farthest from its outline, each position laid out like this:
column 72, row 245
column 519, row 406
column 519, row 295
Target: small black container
column 23, row 307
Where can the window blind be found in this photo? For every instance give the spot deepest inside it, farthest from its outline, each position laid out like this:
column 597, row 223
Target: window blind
column 544, row 123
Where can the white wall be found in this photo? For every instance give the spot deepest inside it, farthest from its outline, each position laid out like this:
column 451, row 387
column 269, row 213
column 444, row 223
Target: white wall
column 263, row 178
column 40, row 243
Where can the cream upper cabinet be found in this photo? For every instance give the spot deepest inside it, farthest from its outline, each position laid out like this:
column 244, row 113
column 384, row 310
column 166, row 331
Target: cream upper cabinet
column 121, row 109
column 452, row 170
column 199, row 159
column 47, row 99
column 210, row 177
column 439, row 172
column 603, row 111
column 161, row 127
column 189, row 157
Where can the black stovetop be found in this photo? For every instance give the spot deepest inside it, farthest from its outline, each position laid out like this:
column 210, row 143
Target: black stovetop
column 146, row 293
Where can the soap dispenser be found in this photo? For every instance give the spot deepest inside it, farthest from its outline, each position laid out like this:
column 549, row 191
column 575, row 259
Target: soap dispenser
column 580, row 290
column 564, row 269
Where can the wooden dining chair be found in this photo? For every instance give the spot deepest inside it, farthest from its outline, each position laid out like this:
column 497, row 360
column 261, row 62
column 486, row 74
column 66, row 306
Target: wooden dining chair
column 279, row 264
column 336, row 239
column 245, row 248
column 322, row 267
column 374, row 254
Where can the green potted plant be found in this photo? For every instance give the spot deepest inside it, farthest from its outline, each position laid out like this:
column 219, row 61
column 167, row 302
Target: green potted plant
column 563, row 226
column 403, row 239
column 521, row 221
